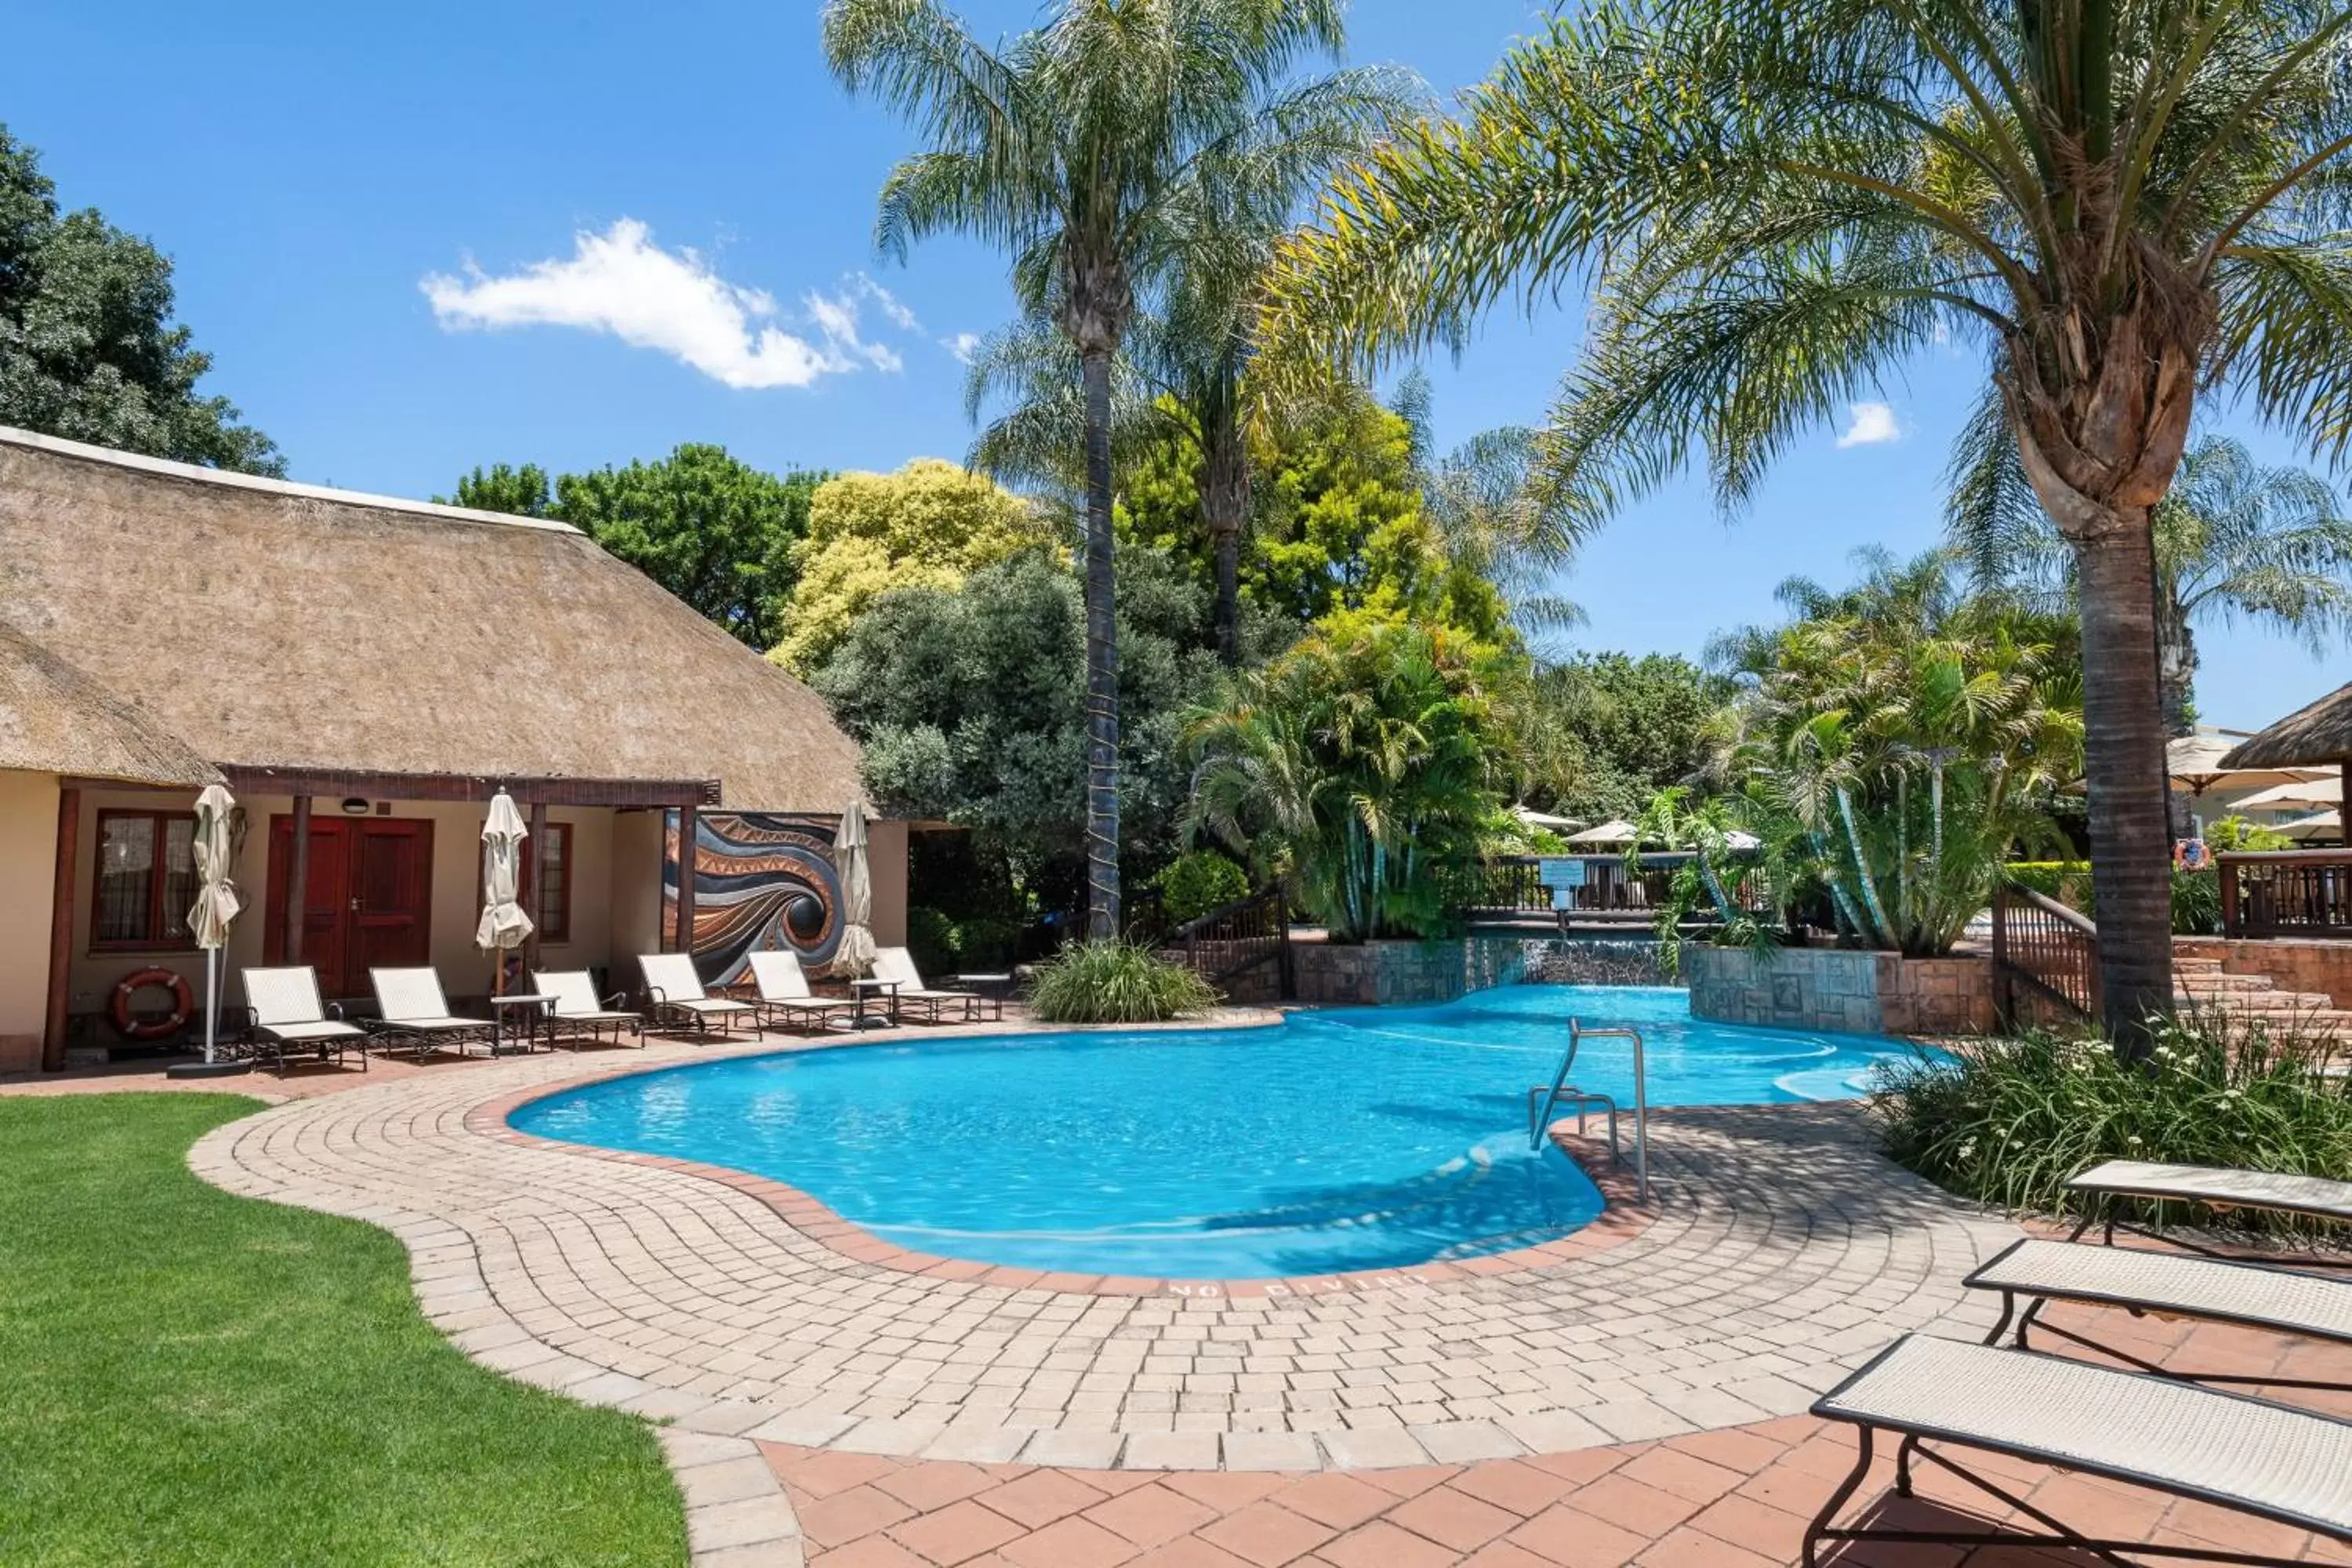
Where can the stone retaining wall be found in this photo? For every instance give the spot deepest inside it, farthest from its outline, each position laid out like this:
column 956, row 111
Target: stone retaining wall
column 1840, row 989
column 2292, row 963
column 1372, row 973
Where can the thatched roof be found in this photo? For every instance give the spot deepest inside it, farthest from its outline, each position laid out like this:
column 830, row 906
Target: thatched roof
column 56, row 720
column 2317, row 735
column 279, row 626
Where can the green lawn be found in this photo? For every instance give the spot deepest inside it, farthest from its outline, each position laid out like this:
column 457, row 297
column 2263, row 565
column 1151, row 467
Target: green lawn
column 188, row 1377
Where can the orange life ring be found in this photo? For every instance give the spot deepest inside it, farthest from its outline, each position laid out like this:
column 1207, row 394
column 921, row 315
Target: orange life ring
column 183, row 1004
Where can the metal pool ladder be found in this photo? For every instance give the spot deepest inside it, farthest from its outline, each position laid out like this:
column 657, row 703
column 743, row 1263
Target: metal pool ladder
column 1539, row 1119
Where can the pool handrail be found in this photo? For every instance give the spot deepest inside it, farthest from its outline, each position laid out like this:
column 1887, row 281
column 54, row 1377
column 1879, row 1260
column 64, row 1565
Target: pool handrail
column 1577, row 1035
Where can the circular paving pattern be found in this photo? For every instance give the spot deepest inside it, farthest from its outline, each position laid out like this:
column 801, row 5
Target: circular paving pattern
column 1781, row 1254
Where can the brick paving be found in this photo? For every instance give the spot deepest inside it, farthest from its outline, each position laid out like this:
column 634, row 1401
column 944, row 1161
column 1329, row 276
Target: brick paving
column 1632, row 1403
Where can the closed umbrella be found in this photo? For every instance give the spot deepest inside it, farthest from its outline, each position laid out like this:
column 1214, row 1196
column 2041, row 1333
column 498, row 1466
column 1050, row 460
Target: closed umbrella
column 504, row 925
column 217, row 902
column 856, row 954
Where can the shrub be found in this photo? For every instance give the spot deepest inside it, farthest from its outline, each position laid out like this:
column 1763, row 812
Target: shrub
column 1199, row 881
column 934, row 941
column 1114, row 983
column 2007, row 1122
column 2197, row 903
column 2068, row 881
column 2196, row 895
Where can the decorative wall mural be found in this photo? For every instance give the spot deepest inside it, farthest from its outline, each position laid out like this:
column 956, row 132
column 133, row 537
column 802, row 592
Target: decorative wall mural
column 762, row 880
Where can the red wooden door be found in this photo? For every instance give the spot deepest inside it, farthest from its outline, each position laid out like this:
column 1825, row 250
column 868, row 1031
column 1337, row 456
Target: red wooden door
column 371, row 897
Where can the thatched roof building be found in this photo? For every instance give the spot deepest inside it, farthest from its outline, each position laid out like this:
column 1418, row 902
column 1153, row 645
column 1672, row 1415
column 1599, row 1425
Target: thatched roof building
column 2316, row 735
column 285, row 627
column 55, row 718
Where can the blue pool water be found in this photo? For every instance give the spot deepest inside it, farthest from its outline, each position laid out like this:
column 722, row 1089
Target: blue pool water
column 1369, row 1137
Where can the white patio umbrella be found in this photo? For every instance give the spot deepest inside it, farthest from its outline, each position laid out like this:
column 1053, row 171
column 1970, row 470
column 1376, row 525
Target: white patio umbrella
column 504, row 925
column 216, row 902
column 2318, row 825
column 1618, row 831
column 855, row 954
column 1549, row 821
column 2312, row 794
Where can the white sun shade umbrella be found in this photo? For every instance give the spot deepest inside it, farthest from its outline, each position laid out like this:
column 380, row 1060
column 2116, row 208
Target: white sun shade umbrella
column 2318, row 825
column 2310, row 796
column 216, row 902
column 1617, row 832
column 504, row 925
column 2194, row 764
column 855, row 954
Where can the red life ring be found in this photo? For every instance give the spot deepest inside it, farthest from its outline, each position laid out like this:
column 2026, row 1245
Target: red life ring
column 183, row 1006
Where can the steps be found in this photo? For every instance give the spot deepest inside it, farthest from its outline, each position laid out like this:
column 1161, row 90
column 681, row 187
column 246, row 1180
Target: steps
column 2201, row 984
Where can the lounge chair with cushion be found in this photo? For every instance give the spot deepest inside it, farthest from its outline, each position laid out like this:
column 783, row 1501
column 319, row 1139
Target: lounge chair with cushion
column 674, row 994
column 2213, row 1187
column 2278, row 1300
column 782, row 995
column 283, row 1013
column 895, row 967
column 2248, row 1456
column 578, row 1012
column 413, row 1012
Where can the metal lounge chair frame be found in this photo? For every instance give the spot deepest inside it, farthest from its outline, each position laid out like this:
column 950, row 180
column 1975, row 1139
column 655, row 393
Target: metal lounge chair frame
column 578, row 1012
column 896, row 966
column 2077, row 1384
column 674, row 992
column 2246, row 1295
column 781, row 994
column 283, row 1011
column 415, row 1009
column 2215, row 1188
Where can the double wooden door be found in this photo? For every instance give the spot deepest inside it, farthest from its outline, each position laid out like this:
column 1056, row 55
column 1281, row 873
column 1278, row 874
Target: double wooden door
column 370, row 899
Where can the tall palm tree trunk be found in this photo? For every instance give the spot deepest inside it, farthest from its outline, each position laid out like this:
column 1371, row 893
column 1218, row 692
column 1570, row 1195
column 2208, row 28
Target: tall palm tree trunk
column 1225, row 484
column 1102, row 665
column 2131, row 843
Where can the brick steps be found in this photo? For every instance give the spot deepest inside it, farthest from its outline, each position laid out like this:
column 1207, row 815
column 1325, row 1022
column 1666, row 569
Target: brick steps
column 2201, row 984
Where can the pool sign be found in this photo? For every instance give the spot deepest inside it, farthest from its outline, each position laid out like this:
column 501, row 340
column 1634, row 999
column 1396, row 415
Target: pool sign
column 1562, row 876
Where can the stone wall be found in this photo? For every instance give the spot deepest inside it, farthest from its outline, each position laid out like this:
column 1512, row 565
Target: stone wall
column 2293, row 964
column 1372, row 973
column 1840, row 989
column 1597, row 961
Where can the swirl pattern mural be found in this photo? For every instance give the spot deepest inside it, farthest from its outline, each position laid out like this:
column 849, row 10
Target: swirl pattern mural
column 762, row 880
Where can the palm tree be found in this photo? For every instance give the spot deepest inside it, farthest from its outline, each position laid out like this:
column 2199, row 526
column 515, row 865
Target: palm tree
column 2235, row 542
column 1778, row 203
column 1091, row 148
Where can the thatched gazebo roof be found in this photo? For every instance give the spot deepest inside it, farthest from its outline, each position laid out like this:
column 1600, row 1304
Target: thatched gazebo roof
column 283, row 626
column 2316, row 735
column 56, row 720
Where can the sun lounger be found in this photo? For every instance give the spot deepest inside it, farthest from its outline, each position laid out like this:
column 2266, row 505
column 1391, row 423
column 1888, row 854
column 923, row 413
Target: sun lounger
column 578, row 1012
column 783, row 995
column 894, row 966
column 2282, row 1300
column 283, row 1013
column 413, row 1010
column 2211, row 1187
column 674, row 992
column 2250, row 1455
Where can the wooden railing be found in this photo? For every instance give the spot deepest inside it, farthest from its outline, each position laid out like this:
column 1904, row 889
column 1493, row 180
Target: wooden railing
column 2287, row 893
column 1511, row 887
column 1235, row 938
column 2049, row 949
column 1143, row 915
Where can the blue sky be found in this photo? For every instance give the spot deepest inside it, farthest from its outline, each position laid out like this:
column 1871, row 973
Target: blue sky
column 314, row 170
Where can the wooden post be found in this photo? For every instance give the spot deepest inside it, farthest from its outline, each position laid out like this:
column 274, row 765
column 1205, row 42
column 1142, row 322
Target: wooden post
column 297, row 880
column 2227, row 871
column 687, row 821
column 53, row 1023
column 537, row 880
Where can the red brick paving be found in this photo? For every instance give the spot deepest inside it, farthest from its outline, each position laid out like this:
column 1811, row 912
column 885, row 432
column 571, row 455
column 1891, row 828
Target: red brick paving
column 1736, row 1498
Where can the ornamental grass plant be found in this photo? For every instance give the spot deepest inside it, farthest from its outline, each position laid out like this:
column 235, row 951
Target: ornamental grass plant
column 2008, row 1121
column 1115, row 982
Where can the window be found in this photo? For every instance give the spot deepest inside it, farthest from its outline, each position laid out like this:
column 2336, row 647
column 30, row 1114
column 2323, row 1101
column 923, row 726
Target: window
column 553, row 912
column 146, row 879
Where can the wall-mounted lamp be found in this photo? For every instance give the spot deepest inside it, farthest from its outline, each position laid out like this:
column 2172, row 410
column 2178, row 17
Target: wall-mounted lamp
column 354, row 806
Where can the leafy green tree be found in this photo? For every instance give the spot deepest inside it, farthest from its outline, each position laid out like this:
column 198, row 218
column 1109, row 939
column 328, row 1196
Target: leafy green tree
column 1637, row 725
column 927, row 525
column 1366, row 764
column 1779, row 203
column 88, row 349
column 716, row 531
column 1091, row 148
column 970, row 701
column 2236, row 543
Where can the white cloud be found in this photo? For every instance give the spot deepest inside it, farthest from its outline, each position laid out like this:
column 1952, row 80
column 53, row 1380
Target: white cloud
column 1869, row 425
column 621, row 282
column 963, row 345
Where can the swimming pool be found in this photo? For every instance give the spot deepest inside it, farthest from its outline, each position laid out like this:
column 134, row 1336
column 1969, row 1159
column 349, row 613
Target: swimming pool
column 1365, row 1138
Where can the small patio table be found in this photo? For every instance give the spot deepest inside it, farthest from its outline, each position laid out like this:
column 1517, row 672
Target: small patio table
column 499, row 1009
column 865, row 987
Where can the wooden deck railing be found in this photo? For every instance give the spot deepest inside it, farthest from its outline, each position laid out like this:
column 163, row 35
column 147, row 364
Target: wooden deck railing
column 2287, row 893
column 1511, row 887
column 2051, row 949
column 1235, row 938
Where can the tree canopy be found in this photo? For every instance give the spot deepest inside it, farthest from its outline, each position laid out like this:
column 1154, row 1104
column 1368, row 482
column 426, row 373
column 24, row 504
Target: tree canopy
column 89, row 350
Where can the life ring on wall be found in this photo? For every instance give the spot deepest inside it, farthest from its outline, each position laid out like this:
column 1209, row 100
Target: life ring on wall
column 183, row 1004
